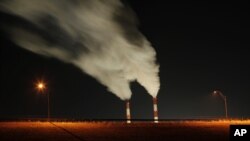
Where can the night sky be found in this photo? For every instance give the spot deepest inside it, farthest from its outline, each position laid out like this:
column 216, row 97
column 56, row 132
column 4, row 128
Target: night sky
column 200, row 47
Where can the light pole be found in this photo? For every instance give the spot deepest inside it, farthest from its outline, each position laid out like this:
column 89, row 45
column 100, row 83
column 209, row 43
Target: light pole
column 41, row 87
column 219, row 93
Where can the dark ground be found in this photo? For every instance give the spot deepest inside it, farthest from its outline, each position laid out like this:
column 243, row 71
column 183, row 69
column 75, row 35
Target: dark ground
column 116, row 131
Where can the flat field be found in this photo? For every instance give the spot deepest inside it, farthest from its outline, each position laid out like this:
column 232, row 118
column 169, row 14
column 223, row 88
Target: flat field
column 117, row 131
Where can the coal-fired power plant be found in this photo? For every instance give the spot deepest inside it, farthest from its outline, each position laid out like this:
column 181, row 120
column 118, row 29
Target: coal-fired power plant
column 99, row 37
column 128, row 116
column 155, row 109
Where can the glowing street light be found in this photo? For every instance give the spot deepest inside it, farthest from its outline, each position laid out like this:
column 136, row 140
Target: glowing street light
column 41, row 87
column 219, row 93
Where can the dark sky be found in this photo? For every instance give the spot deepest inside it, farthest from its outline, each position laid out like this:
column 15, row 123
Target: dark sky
column 200, row 48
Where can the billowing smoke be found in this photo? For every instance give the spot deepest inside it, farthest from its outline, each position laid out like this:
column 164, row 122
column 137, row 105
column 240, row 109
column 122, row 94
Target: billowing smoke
column 98, row 36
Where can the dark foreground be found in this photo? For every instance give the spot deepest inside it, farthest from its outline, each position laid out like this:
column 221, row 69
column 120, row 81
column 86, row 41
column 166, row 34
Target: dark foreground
column 117, row 131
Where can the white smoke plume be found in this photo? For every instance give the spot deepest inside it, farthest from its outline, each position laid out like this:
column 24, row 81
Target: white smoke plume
column 98, row 36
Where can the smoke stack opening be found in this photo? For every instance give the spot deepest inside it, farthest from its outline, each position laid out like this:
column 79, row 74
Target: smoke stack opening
column 128, row 116
column 155, row 110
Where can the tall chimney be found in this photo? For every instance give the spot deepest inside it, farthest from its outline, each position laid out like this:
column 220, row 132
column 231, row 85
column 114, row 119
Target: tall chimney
column 128, row 111
column 155, row 110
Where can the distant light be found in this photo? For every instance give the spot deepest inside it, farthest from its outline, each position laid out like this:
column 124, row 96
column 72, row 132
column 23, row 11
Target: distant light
column 214, row 93
column 40, row 86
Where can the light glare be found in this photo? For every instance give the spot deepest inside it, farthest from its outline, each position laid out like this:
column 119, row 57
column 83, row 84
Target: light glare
column 40, row 86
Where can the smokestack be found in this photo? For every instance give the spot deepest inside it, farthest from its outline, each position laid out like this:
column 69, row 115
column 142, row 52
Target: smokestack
column 128, row 111
column 155, row 110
